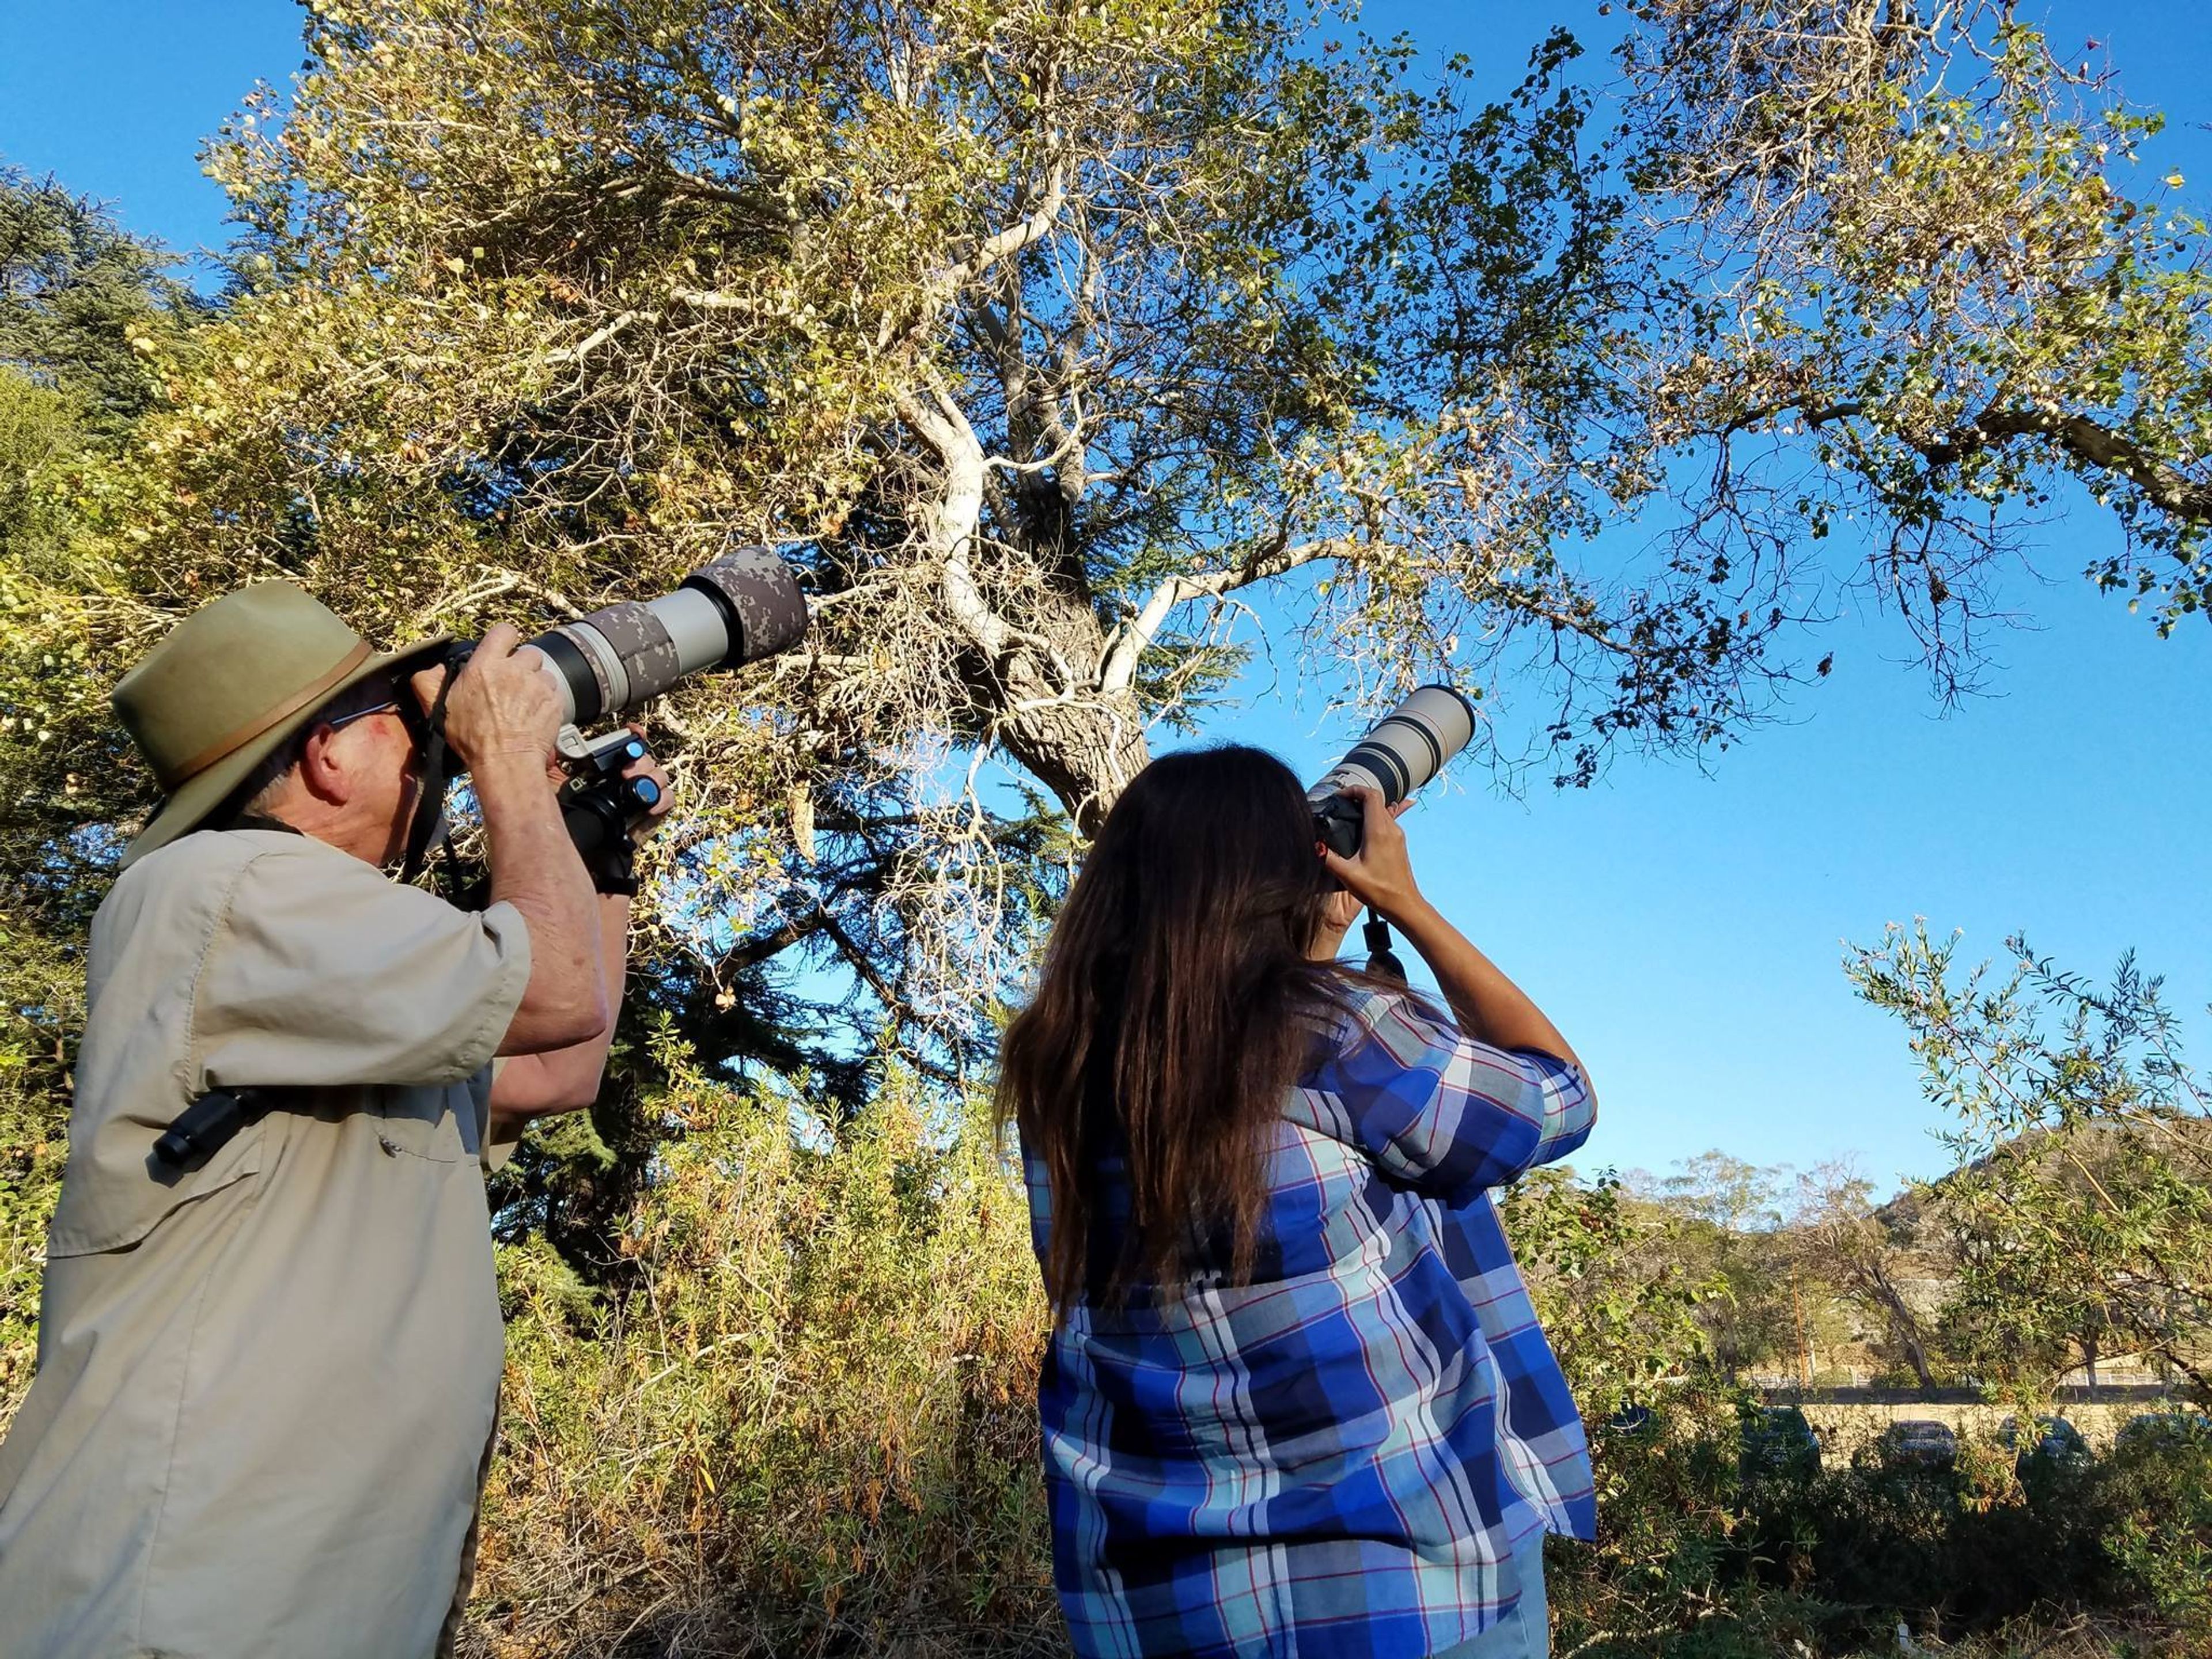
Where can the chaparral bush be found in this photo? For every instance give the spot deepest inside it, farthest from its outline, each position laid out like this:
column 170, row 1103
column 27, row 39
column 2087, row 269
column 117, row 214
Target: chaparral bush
column 803, row 1425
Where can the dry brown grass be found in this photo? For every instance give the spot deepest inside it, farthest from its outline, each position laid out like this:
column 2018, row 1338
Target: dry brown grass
column 810, row 1430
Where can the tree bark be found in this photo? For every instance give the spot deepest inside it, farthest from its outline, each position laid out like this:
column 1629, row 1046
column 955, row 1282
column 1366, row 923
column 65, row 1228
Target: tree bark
column 1041, row 680
column 1081, row 741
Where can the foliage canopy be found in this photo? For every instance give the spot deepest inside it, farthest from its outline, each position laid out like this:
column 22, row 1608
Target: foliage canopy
column 1048, row 337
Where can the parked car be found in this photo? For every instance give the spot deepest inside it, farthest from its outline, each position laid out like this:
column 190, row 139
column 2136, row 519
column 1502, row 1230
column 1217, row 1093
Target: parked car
column 1778, row 1445
column 2155, row 1429
column 2055, row 1441
column 1917, row 1442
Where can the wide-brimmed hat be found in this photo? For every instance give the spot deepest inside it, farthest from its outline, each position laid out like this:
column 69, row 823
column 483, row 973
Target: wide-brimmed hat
column 228, row 685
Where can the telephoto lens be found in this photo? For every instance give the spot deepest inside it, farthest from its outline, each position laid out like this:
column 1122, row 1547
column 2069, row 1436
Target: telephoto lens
column 743, row 607
column 1401, row 752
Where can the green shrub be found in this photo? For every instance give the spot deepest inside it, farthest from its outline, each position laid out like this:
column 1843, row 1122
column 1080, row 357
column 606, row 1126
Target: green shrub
column 2158, row 1492
column 1978, row 1549
column 798, row 1421
column 809, row 1429
column 42, row 1008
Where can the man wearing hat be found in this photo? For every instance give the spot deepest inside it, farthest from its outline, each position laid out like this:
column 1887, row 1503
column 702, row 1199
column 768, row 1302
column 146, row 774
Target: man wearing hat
column 267, row 1379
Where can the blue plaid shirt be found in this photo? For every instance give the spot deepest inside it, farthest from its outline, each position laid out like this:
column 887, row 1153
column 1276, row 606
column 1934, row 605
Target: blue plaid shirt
column 1339, row 1459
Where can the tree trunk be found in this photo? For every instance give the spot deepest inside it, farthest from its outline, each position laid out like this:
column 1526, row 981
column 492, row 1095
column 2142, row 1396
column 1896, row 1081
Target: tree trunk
column 1084, row 747
column 1039, row 674
column 1806, row 1360
column 1904, row 1324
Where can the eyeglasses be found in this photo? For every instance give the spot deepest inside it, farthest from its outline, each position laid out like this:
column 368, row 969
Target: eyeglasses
column 393, row 708
column 409, row 712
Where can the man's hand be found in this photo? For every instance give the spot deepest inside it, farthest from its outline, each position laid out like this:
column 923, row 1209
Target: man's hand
column 502, row 706
column 567, row 1080
column 503, row 711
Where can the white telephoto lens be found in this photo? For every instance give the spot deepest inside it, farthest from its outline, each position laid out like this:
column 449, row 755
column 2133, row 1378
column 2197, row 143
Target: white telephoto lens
column 1404, row 749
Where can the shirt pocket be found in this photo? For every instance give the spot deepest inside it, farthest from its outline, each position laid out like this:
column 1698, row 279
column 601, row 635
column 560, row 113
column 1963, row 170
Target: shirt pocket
column 422, row 1122
column 119, row 1192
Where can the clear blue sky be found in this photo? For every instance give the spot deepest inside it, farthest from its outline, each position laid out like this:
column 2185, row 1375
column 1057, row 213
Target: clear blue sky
column 1685, row 929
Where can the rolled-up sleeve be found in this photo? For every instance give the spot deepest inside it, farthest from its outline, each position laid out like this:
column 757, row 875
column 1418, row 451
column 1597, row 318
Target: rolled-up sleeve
column 1444, row 1113
column 322, row 973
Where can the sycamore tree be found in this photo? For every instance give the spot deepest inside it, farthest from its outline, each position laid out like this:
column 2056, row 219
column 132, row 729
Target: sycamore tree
column 1038, row 332
column 1062, row 342
column 1931, row 299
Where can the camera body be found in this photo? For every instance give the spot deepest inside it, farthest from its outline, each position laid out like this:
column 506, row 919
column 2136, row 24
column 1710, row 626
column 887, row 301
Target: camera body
column 1400, row 753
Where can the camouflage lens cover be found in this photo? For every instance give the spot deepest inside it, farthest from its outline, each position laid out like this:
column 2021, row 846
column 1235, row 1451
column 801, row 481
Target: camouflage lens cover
column 761, row 591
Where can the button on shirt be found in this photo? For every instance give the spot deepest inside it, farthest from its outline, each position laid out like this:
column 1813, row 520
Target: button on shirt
column 1337, row 1460
column 265, row 1386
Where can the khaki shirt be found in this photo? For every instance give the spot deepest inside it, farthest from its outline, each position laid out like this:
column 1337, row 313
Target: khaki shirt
column 264, row 1386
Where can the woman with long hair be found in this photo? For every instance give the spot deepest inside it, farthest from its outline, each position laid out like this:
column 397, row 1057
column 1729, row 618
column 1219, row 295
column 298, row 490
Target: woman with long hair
column 1296, row 1401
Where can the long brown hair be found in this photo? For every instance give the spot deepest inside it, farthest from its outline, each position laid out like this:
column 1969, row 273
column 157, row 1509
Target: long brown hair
column 1176, row 1007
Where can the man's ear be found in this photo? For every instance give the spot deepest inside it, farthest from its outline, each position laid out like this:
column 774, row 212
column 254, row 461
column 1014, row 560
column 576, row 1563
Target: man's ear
column 323, row 770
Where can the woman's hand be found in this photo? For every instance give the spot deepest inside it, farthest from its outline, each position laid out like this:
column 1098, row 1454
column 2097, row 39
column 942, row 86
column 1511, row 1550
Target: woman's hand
column 1488, row 1006
column 1339, row 912
column 1342, row 910
column 1381, row 876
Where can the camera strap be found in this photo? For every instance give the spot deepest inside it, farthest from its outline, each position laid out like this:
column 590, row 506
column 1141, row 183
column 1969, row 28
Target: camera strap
column 1382, row 961
column 430, row 819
